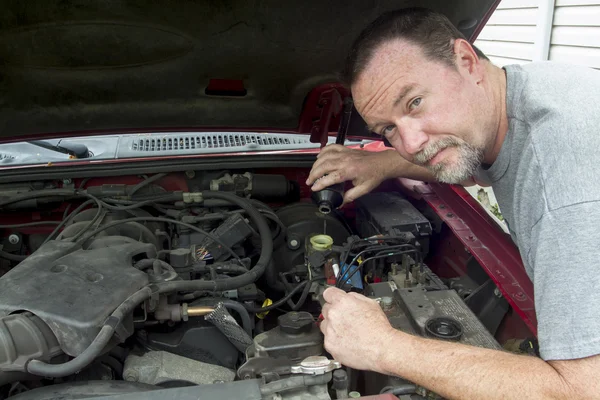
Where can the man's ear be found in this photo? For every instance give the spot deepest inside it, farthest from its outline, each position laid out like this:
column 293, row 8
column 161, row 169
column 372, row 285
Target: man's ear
column 466, row 59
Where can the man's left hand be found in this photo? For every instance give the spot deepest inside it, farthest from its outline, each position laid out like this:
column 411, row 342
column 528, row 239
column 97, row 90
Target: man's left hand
column 356, row 330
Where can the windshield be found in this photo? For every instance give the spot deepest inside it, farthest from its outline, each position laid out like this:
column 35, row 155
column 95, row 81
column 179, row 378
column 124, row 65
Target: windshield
column 149, row 145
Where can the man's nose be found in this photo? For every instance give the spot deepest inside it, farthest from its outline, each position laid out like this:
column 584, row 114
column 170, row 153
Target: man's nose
column 413, row 138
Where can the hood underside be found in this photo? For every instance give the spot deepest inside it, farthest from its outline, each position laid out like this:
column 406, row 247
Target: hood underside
column 79, row 65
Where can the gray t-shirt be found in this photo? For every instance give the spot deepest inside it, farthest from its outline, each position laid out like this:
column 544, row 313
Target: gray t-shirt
column 547, row 182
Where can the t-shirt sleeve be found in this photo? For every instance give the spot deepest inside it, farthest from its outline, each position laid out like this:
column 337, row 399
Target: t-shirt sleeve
column 566, row 278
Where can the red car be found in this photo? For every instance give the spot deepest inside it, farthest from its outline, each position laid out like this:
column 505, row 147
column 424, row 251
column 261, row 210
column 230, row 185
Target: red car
column 158, row 239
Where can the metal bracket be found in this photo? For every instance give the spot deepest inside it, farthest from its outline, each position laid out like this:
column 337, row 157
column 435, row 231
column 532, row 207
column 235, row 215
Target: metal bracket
column 330, row 103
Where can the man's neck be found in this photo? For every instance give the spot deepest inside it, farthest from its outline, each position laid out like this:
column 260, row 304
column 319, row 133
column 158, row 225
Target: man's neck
column 498, row 96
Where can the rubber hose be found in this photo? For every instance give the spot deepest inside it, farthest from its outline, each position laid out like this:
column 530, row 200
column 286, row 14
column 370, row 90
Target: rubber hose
column 221, row 268
column 12, row 257
column 237, row 281
column 294, row 382
column 145, row 182
column 75, row 365
column 399, row 390
column 38, row 193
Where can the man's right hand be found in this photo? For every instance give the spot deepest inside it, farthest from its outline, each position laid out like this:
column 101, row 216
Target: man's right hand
column 365, row 169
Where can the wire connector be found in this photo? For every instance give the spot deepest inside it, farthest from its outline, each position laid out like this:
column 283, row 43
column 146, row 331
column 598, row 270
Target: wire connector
column 192, row 197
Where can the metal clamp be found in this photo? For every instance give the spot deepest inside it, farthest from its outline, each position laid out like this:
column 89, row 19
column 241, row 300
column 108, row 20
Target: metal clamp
column 315, row 365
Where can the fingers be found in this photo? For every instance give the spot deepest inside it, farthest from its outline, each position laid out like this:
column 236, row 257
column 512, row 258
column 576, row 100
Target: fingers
column 332, row 148
column 333, row 294
column 355, row 193
column 328, row 162
column 360, row 297
column 327, row 181
column 323, row 166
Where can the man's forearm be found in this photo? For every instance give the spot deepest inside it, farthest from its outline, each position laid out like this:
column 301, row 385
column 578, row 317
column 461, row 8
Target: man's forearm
column 457, row 371
column 397, row 166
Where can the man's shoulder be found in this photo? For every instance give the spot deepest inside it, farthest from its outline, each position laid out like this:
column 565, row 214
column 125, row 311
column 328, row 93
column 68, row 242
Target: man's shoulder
column 553, row 96
column 553, row 117
column 541, row 71
column 550, row 84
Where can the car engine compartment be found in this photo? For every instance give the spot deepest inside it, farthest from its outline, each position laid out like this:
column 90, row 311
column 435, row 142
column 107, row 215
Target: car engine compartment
column 215, row 278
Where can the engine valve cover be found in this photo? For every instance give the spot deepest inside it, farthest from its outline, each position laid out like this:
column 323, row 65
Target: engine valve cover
column 73, row 290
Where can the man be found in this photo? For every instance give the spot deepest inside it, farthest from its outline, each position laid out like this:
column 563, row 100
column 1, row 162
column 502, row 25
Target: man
column 530, row 131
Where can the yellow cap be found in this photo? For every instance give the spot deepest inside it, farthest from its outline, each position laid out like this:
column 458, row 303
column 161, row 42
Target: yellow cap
column 321, row 242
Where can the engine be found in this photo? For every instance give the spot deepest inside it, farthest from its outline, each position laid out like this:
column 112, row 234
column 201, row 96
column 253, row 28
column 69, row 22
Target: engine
column 154, row 287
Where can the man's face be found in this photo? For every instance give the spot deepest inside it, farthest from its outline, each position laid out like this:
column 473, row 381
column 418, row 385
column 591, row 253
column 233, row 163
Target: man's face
column 432, row 113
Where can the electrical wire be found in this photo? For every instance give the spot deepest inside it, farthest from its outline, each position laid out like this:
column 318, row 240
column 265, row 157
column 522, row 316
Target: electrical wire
column 65, row 220
column 29, row 224
column 370, row 259
column 149, row 202
column 159, row 219
column 279, row 302
column 81, row 186
column 295, row 306
column 387, row 248
column 145, row 182
column 369, row 240
column 37, row 194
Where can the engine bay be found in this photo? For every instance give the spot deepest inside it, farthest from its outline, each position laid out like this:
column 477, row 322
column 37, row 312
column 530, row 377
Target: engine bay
column 215, row 278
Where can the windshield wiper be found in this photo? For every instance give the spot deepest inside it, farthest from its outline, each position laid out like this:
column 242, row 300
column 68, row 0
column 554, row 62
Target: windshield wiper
column 73, row 149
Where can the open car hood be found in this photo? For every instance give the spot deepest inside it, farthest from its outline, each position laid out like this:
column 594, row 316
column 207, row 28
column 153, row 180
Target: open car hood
column 75, row 66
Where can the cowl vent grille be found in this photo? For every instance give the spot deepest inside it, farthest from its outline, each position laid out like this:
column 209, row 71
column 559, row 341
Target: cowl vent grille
column 248, row 141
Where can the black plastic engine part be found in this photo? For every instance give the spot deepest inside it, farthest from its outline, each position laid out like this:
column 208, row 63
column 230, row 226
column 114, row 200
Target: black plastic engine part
column 302, row 221
column 444, row 328
column 258, row 186
column 329, row 198
column 247, row 390
column 75, row 290
column 24, row 337
column 296, row 323
column 196, row 339
column 390, row 214
column 233, row 231
column 296, row 337
column 85, row 390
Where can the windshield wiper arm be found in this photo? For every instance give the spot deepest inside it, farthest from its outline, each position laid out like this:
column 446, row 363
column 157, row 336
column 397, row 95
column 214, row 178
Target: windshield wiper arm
column 73, row 149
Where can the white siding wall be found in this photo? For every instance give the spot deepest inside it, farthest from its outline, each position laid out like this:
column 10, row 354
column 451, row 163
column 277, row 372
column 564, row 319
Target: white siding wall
column 509, row 35
column 576, row 32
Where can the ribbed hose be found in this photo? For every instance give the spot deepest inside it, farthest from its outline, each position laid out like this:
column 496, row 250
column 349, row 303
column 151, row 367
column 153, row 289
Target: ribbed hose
column 75, row 365
column 237, row 281
column 229, row 327
column 230, row 305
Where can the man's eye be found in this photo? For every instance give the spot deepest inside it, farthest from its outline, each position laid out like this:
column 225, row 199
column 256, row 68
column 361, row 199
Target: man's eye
column 388, row 129
column 415, row 103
